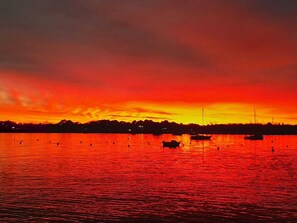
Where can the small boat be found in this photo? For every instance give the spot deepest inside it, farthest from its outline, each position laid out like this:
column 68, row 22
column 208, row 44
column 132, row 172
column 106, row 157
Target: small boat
column 171, row 144
column 200, row 137
column 254, row 137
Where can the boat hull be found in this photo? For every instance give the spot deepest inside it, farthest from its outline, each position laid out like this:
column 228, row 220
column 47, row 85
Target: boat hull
column 171, row 144
column 200, row 137
column 254, row 137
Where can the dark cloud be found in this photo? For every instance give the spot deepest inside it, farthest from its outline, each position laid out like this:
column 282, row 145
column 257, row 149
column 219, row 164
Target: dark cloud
column 285, row 9
column 39, row 37
column 283, row 75
column 35, row 34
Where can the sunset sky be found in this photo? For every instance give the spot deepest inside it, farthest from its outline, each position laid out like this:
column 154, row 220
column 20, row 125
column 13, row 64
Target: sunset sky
column 148, row 59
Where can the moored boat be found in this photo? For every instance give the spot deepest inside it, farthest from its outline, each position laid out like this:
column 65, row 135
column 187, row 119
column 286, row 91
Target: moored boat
column 200, row 137
column 254, row 137
column 171, row 144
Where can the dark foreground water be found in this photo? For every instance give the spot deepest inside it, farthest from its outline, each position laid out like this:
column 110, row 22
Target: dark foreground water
column 131, row 178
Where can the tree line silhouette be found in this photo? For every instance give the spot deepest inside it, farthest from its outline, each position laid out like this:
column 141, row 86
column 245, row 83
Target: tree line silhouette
column 146, row 126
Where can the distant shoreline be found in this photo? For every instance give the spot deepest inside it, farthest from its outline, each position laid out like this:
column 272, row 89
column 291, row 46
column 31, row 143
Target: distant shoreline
column 147, row 127
column 124, row 133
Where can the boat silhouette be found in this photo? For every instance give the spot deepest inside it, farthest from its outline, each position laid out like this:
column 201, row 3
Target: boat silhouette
column 171, row 144
column 256, row 136
column 200, row 137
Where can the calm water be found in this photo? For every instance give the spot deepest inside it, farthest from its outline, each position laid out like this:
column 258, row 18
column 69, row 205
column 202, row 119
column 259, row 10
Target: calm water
column 131, row 178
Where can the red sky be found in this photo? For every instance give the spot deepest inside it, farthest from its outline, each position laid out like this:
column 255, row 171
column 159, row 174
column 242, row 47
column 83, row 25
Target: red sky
column 148, row 59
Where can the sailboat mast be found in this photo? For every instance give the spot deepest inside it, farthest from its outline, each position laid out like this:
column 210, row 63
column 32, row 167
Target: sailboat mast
column 255, row 119
column 202, row 116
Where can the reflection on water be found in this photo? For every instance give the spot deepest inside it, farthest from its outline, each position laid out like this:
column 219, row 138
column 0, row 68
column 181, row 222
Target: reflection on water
column 120, row 177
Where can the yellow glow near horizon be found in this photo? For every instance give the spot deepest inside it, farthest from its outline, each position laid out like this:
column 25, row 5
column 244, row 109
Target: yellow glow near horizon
column 180, row 113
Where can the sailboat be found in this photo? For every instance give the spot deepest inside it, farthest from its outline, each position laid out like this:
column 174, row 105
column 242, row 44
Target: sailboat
column 254, row 136
column 198, row 136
